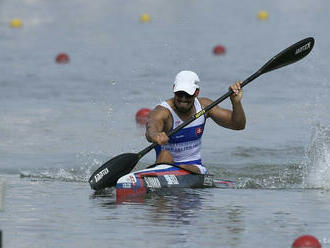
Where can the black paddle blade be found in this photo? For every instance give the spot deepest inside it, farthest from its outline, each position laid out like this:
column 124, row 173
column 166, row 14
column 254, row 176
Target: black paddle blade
column 290, row 55
column 109, row 173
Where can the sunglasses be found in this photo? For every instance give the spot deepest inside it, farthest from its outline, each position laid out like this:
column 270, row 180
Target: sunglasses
column 181, row 94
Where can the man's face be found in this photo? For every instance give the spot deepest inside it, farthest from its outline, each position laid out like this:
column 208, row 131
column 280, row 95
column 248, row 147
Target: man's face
column 183, row 102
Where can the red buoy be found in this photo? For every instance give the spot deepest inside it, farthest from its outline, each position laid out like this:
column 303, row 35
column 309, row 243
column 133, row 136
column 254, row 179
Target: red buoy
column 219, row 50
column 62, row 58
column 306, row 241
column 141, row 116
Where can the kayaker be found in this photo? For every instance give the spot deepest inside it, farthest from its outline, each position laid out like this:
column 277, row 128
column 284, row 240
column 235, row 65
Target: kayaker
column 183, row 148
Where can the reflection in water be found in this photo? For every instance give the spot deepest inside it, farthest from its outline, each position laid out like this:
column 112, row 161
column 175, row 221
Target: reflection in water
column 234, row 224
column 106, row 197
column 177, row 211
column 176, row 206
column 189, row 213
column 179, row 217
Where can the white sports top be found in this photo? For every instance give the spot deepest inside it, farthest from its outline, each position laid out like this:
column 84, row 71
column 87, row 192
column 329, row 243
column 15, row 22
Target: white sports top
column 185, row 145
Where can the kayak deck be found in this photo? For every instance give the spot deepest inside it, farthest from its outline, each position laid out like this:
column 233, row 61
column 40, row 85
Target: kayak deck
column 164, row 176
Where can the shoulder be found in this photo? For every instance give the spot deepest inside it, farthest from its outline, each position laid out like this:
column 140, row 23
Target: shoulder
column 160, row 112
column 204, row 101
column 160, row 109
column 161, row 117
column 213, row 112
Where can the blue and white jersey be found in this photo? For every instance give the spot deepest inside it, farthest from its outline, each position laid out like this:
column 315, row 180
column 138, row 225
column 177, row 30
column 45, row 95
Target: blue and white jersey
column 185, row 145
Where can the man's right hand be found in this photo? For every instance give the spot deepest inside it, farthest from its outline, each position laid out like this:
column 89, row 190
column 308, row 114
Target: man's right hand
column 161, row 138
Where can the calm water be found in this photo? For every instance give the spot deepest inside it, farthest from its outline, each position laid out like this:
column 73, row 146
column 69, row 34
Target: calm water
column 58, row 123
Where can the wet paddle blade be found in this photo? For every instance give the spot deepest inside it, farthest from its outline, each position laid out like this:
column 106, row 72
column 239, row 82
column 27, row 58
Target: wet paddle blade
column 109, row 173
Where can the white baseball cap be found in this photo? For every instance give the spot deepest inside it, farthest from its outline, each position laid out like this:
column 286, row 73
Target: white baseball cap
column 186, row 81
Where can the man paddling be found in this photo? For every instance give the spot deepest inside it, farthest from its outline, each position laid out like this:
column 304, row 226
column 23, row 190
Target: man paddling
column 183, row 148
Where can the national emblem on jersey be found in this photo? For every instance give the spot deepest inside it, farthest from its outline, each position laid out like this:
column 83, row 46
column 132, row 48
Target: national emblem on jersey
column 198, row 131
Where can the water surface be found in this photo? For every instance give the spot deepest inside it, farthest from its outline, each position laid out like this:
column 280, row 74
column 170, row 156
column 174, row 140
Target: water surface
column 59, row 123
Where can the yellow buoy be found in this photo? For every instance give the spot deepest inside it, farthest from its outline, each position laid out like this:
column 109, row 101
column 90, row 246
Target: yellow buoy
column 262, row 15
column 16, row 23
column 145, row 18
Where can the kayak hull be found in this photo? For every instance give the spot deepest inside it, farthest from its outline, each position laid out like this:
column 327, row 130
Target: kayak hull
column 164, row 176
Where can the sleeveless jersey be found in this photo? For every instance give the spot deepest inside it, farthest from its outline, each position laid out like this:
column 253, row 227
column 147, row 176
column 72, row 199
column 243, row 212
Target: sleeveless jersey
column 185, row 145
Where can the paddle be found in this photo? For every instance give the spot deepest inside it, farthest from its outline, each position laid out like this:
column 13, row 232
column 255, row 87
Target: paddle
column 108, row 174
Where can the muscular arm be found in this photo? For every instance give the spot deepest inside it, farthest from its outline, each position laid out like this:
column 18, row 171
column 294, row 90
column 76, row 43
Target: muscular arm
column 158, row 125
column 234, row 119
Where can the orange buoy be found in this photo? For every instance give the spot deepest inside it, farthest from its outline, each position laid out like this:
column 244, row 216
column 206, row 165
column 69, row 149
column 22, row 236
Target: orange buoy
column 306, row 241
column 219, row 50
column 141, row 116
column 62, row 58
